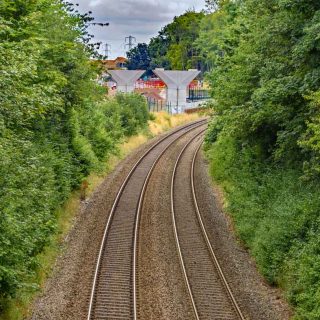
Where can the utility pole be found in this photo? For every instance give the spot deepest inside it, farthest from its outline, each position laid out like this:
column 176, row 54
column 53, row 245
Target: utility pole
column 107, row 50
column 130, row 42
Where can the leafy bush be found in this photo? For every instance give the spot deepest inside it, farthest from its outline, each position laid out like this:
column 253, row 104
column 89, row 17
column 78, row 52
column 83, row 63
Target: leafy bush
column 38, row 172
column 301, row 275
column 133, row 112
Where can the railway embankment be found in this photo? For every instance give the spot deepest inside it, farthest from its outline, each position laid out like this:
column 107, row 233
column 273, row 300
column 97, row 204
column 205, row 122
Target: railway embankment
column 160, row 288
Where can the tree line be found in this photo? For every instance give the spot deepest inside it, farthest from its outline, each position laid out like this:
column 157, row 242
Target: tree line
column 172, row 48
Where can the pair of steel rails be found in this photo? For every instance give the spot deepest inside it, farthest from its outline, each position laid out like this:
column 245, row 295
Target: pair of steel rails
column 124, row 304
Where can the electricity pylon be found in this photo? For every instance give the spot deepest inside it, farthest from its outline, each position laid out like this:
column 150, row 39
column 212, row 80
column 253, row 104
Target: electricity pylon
column 130, row 42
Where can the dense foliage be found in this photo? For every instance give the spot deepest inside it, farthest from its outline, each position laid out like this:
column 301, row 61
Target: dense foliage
column 139, row 58
column 55, row 126
column 173, row 47
column 264, row 141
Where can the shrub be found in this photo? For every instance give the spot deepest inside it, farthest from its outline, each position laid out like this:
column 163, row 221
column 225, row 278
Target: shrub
column 133, row 111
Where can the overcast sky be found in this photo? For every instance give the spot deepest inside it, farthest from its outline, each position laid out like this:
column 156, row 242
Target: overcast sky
column 139, row 18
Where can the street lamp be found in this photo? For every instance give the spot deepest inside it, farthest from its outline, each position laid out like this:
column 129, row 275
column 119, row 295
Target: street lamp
column 101, row 24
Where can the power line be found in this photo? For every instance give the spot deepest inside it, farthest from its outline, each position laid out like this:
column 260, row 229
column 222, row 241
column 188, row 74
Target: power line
column 130, row 42
column 107, row 50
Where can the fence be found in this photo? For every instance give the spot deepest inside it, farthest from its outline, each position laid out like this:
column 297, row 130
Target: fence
column 158, row 105
column 196, row 94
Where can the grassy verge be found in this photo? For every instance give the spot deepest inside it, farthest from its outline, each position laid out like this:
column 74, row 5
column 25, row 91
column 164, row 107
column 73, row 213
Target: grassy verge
column 20, row 307
column 276, row 215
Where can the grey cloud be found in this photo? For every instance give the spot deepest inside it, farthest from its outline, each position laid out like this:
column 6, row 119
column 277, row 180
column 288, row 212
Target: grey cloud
column 139, row 18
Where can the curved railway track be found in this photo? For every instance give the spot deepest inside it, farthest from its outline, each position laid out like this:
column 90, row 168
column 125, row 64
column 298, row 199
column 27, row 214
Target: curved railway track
column 113, row 294
column 209, row 291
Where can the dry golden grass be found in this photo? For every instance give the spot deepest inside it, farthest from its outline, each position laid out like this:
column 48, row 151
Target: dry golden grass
column 132, row 143
column 163, row 121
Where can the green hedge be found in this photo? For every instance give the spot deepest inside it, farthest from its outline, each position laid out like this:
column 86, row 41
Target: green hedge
column 38, row 172
column 264, row 140
column 56, row 126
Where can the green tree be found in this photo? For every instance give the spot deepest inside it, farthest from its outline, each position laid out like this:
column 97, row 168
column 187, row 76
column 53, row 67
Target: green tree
column 219, row 34
column 139, row 58
column 267, row 74
column 182, row 33
column 173, row 47
column 158, row 48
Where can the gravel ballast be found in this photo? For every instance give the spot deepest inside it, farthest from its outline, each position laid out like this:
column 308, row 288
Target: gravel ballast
column 162, row 291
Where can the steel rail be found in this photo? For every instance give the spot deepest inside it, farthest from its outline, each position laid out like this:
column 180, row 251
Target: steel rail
column 193, row 125
column 205, row 235
column 194, row 307
column 136, row 234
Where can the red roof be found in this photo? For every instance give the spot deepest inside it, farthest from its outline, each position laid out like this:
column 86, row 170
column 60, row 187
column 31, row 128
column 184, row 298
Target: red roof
column 117, row 63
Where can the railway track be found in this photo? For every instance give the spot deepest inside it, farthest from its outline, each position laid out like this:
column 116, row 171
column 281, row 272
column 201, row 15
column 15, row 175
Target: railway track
column 113, row 294
column 209, row 291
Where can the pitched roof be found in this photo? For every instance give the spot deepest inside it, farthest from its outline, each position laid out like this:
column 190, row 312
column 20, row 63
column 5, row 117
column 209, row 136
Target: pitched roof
column 115, row 64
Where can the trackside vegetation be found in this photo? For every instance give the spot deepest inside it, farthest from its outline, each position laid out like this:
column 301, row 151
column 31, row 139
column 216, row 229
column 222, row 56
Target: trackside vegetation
column 262, row 60
column 264, row 139
column 56, row 127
